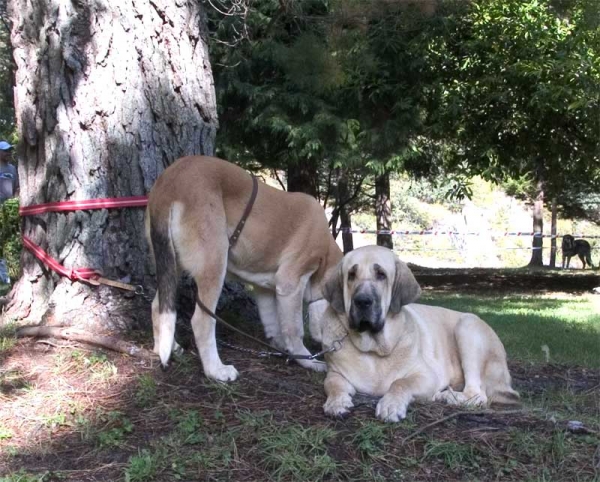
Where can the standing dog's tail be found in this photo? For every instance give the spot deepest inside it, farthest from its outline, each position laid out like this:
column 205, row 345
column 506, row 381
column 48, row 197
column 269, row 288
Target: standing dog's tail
column 164, row 315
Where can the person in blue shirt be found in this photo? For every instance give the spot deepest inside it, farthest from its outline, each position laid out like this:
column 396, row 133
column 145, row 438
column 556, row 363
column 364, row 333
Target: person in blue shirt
column 9, row 177
column 9, row 187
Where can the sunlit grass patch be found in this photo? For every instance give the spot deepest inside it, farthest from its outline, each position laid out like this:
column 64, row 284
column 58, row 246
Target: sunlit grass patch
column 8, row 337
column 568, row 326
column 5, row 433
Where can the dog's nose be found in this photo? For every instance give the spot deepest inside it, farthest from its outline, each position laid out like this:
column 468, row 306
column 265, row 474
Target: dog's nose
column 363, row 301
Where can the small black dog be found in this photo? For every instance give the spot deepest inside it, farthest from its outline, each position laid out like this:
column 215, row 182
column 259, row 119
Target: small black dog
column 580, row 247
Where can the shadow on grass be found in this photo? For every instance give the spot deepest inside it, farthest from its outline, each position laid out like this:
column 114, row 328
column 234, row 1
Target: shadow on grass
column 517, row 280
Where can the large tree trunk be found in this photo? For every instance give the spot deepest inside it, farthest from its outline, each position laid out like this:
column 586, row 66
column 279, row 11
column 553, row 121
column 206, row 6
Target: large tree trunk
column 538, row 226
column 383, row 210
column 108, row 94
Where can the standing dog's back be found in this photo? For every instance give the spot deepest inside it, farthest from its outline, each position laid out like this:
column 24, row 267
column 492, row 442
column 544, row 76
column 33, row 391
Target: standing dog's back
column 193, row 209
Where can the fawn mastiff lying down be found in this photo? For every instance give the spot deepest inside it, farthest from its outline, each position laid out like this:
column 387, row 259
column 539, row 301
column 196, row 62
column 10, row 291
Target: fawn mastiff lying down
column 400, row 350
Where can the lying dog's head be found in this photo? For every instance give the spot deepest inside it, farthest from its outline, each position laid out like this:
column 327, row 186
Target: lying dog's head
column 369, row 282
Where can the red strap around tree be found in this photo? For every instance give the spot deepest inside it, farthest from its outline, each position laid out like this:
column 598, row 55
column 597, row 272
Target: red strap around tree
column 72, row 274
column 107, row 203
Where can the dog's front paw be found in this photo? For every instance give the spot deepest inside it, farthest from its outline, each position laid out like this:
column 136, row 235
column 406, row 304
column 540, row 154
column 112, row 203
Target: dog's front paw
column 338, row 406
column 224, row 373
column 391, row 408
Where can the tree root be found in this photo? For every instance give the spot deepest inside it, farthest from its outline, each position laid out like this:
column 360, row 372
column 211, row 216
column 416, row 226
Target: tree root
column 75, row 334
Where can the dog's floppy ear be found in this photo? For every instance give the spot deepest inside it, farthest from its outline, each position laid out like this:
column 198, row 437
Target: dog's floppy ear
column 405, row 289
column 333, row 291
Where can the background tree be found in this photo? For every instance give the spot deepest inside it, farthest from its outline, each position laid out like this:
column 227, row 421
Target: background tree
column 318, row 86
column 519, row 92
column 273, row 84
column 7, row 112
column 107, row 95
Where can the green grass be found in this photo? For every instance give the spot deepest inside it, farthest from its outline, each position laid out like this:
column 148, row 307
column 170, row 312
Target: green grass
column 142, row 467
column 454, row 455
column 23, row 476
column 114, row 429
column 570, row 328
column 8, row 337
column 297, row 453
column 146, row 391
column 370, row 438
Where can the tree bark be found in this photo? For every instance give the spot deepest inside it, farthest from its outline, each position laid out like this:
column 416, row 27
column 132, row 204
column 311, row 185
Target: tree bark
column 553, row 232
column 108, row 95
column 383, row 210
column 538, row 225
column 345, row 216
column 346, row 225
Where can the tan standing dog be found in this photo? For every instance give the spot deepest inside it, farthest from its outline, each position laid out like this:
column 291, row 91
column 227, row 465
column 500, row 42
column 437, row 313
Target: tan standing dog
column 284, row 250
column 403, row 351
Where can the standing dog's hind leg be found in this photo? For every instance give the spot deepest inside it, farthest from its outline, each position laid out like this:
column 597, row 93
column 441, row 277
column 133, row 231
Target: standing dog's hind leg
column 290, row 295
column 209, row 281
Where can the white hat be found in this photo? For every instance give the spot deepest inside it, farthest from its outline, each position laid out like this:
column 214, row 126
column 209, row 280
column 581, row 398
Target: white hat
column 5, row 146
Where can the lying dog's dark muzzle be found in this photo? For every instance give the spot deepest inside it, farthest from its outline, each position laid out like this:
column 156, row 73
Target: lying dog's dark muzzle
column 365, row 313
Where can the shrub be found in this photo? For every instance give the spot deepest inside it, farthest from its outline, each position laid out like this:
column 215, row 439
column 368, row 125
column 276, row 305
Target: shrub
column 10, row 236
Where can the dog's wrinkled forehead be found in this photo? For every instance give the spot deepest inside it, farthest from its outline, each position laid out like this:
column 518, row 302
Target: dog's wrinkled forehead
column 369, row 261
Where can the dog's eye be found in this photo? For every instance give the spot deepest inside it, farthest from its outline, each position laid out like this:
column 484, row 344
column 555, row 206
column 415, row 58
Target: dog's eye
column 381, row 276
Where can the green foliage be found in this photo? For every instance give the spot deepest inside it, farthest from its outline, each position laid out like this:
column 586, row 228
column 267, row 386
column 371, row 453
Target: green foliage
column 272, row 87
column 10, row 236
column 309, row 83
column 7, row 113
column 503, row 89
column 519, row 88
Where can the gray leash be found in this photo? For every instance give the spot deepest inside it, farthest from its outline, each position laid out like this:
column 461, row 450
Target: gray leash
column 275, row 352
